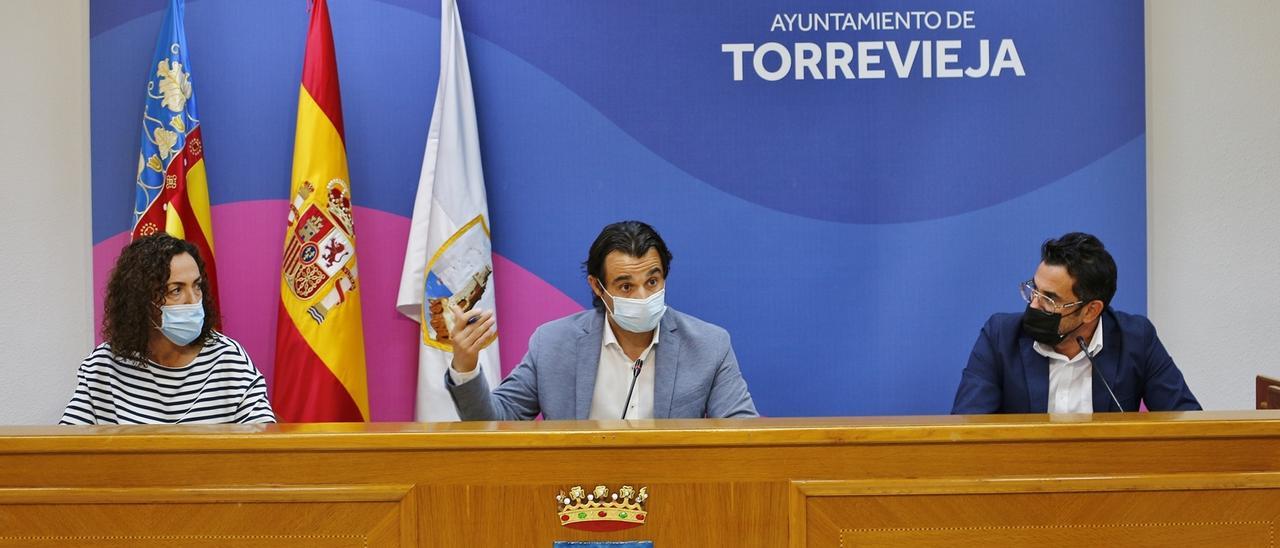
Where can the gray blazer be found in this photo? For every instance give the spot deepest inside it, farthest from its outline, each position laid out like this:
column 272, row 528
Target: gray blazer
column 697, row 374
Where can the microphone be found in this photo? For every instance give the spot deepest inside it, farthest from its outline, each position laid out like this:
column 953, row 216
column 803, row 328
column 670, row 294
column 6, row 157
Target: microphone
column 635, row 374
column 1084, row 348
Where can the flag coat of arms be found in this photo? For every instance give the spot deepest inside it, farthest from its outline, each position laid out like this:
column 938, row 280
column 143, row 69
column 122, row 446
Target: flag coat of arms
column 320, row 361
column 448, row 260
column 172, row 192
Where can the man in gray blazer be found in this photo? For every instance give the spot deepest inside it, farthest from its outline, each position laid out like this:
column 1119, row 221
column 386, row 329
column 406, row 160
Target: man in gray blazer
column 630, row 356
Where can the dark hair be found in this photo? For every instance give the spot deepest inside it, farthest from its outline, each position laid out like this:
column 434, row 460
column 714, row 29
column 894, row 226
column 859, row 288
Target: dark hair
column 137, row 286
column 631, row 237
column 1087, row 262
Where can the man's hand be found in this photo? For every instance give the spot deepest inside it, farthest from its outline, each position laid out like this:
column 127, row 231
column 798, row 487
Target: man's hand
column 470, row 331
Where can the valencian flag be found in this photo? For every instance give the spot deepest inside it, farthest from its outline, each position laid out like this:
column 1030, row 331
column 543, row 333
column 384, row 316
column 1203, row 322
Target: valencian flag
column 320, row 368
column 448, row 260
column 172, row 193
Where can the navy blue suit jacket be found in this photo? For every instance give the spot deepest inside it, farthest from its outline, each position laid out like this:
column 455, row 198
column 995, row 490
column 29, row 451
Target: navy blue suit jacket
column 1006, row 375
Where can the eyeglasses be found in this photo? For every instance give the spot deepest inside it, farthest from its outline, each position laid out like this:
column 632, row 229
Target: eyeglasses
column 1029, row 292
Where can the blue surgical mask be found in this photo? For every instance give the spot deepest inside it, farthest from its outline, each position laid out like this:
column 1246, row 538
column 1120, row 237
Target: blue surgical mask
column 638, row 315
column 182, row 323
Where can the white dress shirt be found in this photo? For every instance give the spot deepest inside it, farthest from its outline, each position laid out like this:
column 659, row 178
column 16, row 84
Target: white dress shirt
column 613, row 380
column 1071, row 379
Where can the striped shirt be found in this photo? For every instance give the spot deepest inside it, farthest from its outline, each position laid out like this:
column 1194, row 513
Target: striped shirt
column 219, row 386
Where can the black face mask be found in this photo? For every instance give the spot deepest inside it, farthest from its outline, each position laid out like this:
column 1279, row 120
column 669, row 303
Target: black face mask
column 1043, row 326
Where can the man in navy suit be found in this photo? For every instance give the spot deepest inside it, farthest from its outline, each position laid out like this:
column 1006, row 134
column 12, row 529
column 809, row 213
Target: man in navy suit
column 1035, row 362
column 630, row 356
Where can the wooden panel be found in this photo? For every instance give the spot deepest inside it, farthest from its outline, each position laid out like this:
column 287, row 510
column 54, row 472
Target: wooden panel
column 1240, row 534
column 322, row 516
column 511, row 515
column 672, row 465
column 1140, row 510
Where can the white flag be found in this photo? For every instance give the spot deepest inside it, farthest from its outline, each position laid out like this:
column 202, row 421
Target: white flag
column 448, row 259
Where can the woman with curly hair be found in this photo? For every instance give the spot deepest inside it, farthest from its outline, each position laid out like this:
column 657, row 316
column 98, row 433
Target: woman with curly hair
column 162, row 362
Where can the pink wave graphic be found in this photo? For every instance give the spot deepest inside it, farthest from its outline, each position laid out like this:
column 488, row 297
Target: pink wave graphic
column 249, row 242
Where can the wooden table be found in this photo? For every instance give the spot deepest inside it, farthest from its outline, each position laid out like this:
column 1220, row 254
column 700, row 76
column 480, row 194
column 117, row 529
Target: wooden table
column 1157, row 479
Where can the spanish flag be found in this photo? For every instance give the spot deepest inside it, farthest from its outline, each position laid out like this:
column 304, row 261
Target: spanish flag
column 320, row 368
column 171, row 193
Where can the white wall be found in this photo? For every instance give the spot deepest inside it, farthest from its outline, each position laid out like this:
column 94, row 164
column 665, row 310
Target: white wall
column 1213, row 130
column 45, row 297
column 1213, row 181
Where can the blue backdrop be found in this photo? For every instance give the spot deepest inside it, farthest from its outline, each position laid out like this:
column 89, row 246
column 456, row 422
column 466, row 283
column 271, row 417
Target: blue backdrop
column 851, row 234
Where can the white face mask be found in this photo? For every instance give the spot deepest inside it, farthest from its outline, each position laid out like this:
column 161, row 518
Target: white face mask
column 637, row 315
